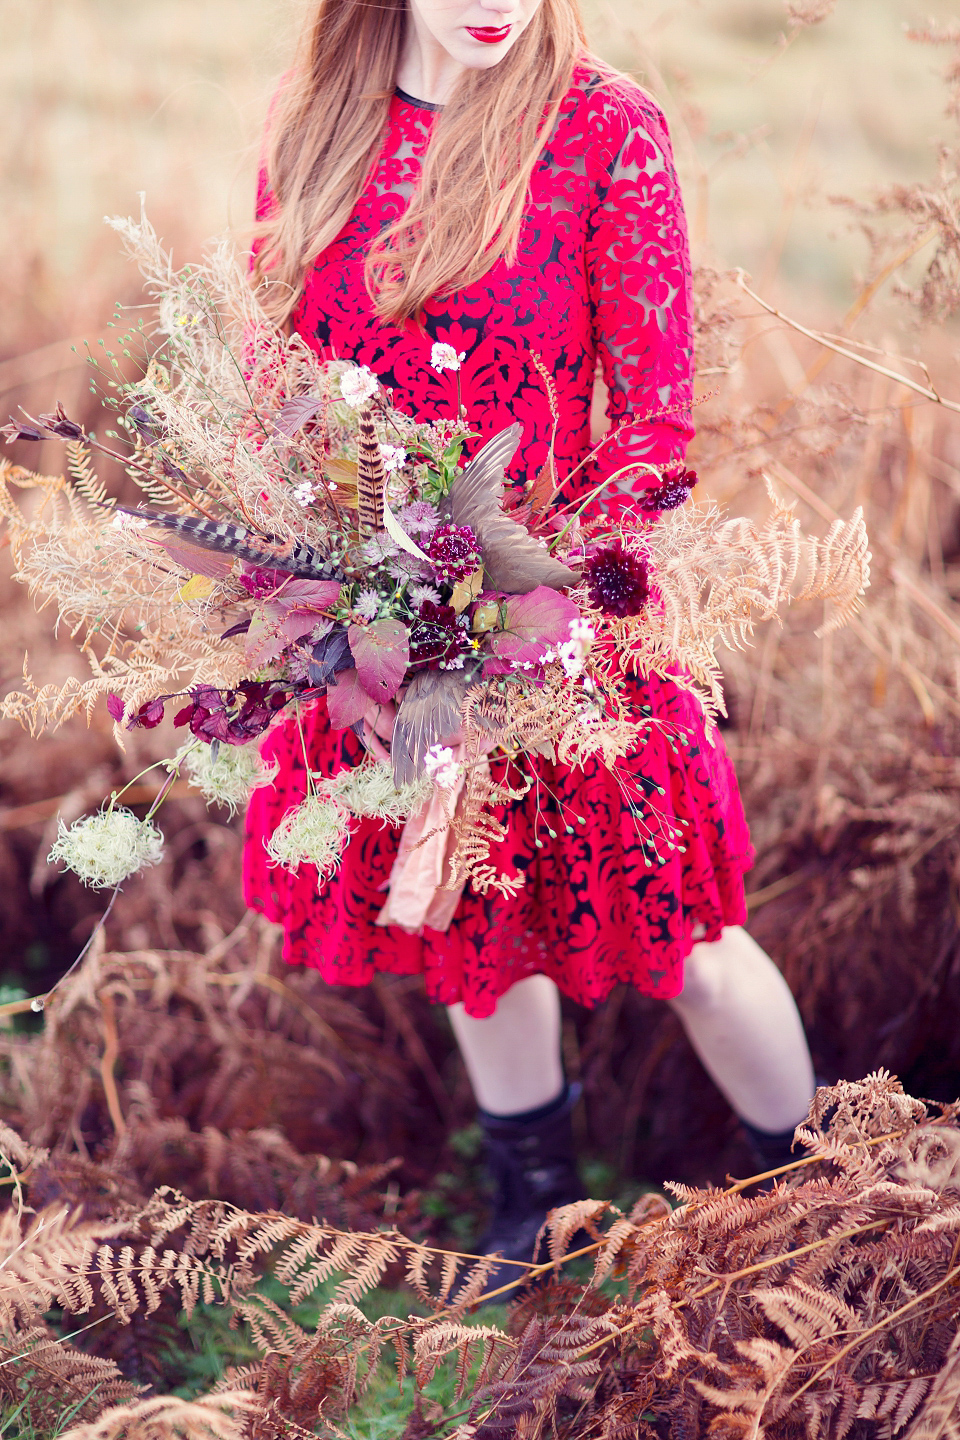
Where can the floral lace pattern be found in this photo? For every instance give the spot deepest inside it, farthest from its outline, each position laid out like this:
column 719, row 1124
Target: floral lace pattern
column 602, row 277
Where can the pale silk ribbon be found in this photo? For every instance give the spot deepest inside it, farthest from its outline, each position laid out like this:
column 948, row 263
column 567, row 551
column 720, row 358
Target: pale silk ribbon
column 419, row 892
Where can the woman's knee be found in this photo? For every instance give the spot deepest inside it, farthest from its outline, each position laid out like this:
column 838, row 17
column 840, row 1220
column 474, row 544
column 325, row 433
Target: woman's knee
column 704, row 976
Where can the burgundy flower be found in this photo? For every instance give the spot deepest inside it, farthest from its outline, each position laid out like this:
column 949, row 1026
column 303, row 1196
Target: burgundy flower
column 260, row 583
column 673, row 491
column 439, row 638
column 16, row 431
column 619, row 582
column 146, row 718
column 61, row 424
column 454, row 552
column 215, row 714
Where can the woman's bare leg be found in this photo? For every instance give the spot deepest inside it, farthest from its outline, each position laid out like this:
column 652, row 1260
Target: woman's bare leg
column 743, row 1022
column 513, row 1057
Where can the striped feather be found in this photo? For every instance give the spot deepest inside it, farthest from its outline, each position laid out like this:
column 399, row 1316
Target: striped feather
column 371, row 478
column 294, row 557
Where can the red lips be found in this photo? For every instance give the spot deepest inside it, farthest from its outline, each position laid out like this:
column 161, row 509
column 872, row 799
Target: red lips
column 487, row 35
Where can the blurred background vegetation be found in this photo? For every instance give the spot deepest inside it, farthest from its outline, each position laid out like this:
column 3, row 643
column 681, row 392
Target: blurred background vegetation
column 818, row 147
column 845, row 750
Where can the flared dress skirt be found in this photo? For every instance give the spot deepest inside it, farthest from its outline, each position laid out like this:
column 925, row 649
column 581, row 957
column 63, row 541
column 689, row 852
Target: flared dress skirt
column 619, row 879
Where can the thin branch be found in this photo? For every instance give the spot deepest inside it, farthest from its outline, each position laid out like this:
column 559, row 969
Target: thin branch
column 820, row 339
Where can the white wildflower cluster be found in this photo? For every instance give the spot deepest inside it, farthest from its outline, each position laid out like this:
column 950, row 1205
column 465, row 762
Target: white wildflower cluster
column 227, row 777
column 394, row 457
column 369, row 792
column 572, row 653
column 104, row 849
column 440, row 765
column 357, row 385
column 312, row 834
column 305, row 493
column 444, row 357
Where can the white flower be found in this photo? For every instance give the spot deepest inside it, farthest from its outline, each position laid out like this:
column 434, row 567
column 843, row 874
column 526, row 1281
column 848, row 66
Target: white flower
column 369, row 792
column 444, row 357
column 105, row 848
column 304, row 493
column 571, row 657
column 416, row 594
column 367, row 604
column 573, row 652
column 379, row 549
column 440, row 765
column 122, row 521
column 394, row 457
column 313, row 834
column 227, row 778
column 357, row 385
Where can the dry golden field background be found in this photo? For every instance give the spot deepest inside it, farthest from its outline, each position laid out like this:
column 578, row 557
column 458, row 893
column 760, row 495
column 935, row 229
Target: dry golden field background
column 185, row 1054
column 845, row 749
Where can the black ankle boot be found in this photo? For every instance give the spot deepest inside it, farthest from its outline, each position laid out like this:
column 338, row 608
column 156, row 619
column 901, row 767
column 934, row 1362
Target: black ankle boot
column 531, row 1161
column 770, row 1149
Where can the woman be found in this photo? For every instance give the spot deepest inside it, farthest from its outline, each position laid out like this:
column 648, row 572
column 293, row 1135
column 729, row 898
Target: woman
column 461, row 174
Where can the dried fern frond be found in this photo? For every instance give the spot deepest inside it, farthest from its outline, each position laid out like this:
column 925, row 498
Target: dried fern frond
column 167, row 1417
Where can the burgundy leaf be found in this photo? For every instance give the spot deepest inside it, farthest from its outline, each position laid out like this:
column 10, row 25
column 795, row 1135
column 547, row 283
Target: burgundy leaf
column 241, row 628
column 263, row 644
column 116, row 707
column 330, row 655
column 532, row 624
column 347, row 701
column 318, row 594
column 382, row 654
column 148, row 716
column 192, row 558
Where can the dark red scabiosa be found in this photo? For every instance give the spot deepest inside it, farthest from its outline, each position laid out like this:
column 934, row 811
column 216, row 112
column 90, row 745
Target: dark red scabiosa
column 439, row 638
column 454, row 552
column 619, row 583
column 673, row 490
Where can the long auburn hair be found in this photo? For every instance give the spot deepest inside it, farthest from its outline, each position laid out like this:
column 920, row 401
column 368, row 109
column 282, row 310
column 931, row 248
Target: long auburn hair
column 327, row 128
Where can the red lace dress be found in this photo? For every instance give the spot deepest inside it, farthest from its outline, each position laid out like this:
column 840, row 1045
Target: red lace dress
column 602, row 274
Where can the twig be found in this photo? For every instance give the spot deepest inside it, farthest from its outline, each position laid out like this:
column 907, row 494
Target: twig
column 820, row 339
column 111, row 1051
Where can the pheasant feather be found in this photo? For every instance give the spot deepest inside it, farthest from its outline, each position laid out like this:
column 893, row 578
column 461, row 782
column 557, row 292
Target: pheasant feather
column 295, row 557
column 371, row 478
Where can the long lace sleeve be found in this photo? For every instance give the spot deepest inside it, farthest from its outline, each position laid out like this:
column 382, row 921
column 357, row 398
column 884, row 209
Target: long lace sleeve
column 639, row 278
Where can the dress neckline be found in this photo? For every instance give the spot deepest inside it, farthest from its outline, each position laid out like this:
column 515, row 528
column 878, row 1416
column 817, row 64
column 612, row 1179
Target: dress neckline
column 412, row 100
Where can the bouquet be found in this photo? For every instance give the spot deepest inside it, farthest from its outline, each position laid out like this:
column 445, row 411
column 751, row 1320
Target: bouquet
column 299, row 536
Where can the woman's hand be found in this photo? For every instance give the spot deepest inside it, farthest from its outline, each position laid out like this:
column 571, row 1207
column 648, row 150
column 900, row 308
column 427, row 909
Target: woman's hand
column 378, row 722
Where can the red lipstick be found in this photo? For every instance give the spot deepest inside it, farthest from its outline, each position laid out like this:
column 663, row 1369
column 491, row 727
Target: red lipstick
column 487, row 35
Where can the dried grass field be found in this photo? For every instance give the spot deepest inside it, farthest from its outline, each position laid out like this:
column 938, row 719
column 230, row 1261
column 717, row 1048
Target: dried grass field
column 820, row 155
